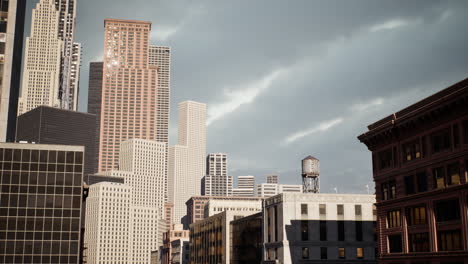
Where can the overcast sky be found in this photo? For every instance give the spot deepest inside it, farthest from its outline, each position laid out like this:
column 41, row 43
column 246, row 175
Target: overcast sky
column 285, row 79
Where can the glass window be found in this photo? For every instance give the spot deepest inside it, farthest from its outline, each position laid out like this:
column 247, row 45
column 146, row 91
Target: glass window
column 450, row 240
column 419, row 242
column 439, row 177
column 323, row 230
column 305, row 253
column 385, row 159
column 447, row 210
column 441, row 141
column 341, row 230
column 393, row 219
column 323, row 253
column 341, row 253
column 359, row 253
column 395, row 243
column 453, row 172
column 323, row 209
column 304, row 230
column 357, row 209
column 417, row 215
column 359, row 232
column 304, row 209
column 411, row 150
column 340, row 209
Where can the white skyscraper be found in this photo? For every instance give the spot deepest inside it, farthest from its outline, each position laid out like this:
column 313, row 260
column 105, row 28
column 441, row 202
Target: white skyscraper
column 216, row 181
column 42, row 63
column 245, row 186
column 187, row 159
column 142, row 165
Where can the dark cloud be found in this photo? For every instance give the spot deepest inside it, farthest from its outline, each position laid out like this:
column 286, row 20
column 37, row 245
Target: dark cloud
column 354, row 60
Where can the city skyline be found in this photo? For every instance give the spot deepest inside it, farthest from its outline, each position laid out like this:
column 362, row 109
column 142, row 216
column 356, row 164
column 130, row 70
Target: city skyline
column 323, row 43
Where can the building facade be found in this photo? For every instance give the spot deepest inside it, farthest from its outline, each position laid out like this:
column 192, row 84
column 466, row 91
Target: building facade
column 11, row 42
column 216, row 181
column 48, row 125
column 245, row 187
column 319, row 228
column 40, row 203
column 129, row 89
column 247, row 240
column 420, row 167
column 94, row 102
column 176, row 232
column 215, row 206
column 187, row 159
column 272, row 189
column 180, row 251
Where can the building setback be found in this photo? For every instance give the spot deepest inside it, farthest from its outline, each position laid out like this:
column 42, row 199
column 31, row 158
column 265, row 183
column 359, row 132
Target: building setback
column 129, row 89
column 48, row 125
column 40, row 203
column 420, row 167
column 319, row 228
column 187, row 159
column 11, row 38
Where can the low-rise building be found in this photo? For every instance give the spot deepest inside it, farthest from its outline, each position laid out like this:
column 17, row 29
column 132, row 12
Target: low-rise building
column 272, row 189
column 175, row 233
column 319, row 228
column 246, row 240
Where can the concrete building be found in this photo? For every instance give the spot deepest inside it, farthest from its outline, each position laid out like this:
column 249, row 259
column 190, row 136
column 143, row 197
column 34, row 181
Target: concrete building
column 42, row 64
column 180, row 251
column 271, row 189
column 142, row 164
column 95, row 101
column 272, row 179
column 420, row 167
column 161, row 57
column 319, row 228
column 210, row 238
column 187, row 159
column 129, row 89
column 48, row 125
column 247, row 240
column 215, row 206
column 196, row 206
column 216, row 181
column 40, row 203
column 245, row 187
column 11, row 50
column 176, row 232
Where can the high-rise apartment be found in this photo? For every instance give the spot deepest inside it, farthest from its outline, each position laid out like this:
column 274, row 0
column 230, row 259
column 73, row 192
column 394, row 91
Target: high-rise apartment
column 11, row 49
column 129, row 89
column 40, row 203
column 245, row 186
column 42, row 64
column 420, row 167
column 216, row 181
column 187, row 159
column 161, row 57
column 272, row 179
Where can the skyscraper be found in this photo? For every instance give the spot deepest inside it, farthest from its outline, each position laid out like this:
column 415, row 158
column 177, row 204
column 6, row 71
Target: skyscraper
column 216, row 181
column 272, row 178
column 161, row 57
column 129, row 89
column 40, row 203
column 42, row 64
column 187, row 159
column 11, row 50
column 94, row 101
column 245, row 186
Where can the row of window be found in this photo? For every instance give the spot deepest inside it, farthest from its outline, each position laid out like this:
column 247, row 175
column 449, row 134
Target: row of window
column 448, row 240
column 339, row 209
column 323, row 226
column 439, row 141
column 324, row 253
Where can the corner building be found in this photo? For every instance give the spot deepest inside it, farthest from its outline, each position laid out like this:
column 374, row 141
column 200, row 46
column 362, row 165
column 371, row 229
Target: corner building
column 420, row 164
column 129, row 89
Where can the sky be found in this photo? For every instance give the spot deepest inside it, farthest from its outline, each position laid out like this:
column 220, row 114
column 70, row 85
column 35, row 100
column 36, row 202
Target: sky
column 287, row 79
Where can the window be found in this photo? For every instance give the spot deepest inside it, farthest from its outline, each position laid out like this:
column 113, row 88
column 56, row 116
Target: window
column 305, row 253
column 416, row 216
column 323, row 230
column 340, row 209
column 456, row 137
column 394, row 243
column 385, row 159
column 323, row 253
column 388, row 190
column 453, row 173
column 304, row 230
column 447, row 210
column 421, row 180
column 359, row 253
column 450, row 240
column 409, row 185
column 323, row 209
column 359, row 233
column 411, row 151
column 419, row 242
column 304, row 209
column 465, row 132
column 439, row 177
column 441, row 141
column 393, row 219
column 341, row 253
column 357, row 209
column 341, row 230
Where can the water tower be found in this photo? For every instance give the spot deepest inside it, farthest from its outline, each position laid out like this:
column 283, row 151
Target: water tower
column 310, row 175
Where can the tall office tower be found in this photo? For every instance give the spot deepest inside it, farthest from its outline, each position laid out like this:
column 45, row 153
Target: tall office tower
column 94, row 101
column 11, row 50
column 108, row 224
column 186, row 160
column 216, row 182
column 245, row 186
column 40, row 203
column 142, row 166
column 41, row 71
column 161, row 57
column 71, row 55
column 272, row 178
column 129, row 89
column 48, row 125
